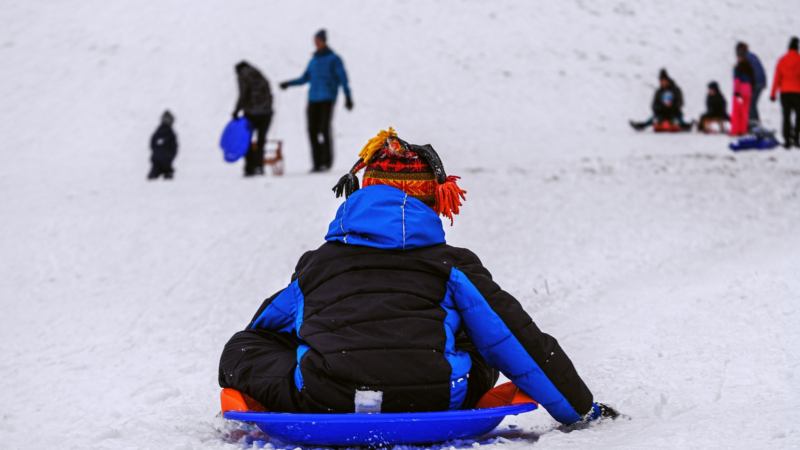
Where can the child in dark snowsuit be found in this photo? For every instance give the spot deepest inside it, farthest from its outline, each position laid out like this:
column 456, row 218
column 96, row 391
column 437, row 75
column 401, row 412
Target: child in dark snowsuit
column 386, row 306
column 666, row 106
column 716, row 108
column 164, row 145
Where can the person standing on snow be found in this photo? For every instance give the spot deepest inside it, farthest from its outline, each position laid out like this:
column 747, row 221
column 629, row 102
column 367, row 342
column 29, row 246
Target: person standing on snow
column 386, row 306
column 787, row 81
column 255, row 99
column 759, row 83
column 164, row 147
column 667, row 104
column 743, row 80
column 326, row 73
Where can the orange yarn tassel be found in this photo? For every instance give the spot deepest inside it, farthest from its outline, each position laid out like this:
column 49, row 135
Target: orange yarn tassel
column 375, row 144
column 447, row 198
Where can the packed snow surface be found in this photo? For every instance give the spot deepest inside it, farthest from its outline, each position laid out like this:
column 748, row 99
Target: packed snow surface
column 667, row 266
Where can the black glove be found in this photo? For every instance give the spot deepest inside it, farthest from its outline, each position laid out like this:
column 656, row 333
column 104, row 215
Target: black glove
column 284, row 85
column 607, row 411
column 772, row 99
column 348, row 104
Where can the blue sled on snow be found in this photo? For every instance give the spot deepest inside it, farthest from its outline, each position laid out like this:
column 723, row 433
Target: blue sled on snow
column 236, row 138
column 762, row 139
column 753, row 143
column 380, row 429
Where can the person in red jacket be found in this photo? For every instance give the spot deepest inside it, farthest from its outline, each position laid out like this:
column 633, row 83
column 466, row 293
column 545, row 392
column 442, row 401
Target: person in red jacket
column 787, row 80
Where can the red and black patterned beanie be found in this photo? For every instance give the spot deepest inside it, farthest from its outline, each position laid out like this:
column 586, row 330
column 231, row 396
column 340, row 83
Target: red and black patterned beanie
column 414, row 169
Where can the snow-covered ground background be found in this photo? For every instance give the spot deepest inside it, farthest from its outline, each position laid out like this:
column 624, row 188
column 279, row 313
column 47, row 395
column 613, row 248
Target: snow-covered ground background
column 667, row 266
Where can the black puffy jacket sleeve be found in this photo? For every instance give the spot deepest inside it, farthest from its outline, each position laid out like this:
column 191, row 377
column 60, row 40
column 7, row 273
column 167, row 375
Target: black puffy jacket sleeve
column 511, row 342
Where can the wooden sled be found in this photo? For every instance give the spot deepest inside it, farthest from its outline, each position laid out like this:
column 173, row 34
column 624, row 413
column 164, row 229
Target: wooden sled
column 274, row 157
column 713, row 126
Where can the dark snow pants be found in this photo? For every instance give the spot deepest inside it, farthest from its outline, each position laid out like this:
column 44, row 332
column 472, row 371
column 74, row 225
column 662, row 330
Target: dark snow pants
column 753, row 113
column 790, row 101
column 254, row 158
column 668, row 117
column 319, row 133
column 262, row 363
column 160, row 168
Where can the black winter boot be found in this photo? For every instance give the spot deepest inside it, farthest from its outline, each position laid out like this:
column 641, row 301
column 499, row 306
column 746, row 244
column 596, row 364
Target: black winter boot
column 637, row 126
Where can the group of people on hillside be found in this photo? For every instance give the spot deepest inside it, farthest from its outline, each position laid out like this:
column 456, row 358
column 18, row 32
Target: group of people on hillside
column 749, row 81
column 325, row 73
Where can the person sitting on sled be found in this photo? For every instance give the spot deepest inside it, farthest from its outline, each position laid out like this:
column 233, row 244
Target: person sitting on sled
column 386, row 306
column 716, row 109
column 667, row 104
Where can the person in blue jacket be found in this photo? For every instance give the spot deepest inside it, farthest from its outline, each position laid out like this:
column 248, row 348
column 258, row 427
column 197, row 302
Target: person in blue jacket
column 386, row 306
column 759, row 84
column 326, row 73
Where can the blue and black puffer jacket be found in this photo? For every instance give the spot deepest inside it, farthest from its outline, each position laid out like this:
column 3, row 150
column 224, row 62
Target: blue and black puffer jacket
column 378, row 307
column 326, row 73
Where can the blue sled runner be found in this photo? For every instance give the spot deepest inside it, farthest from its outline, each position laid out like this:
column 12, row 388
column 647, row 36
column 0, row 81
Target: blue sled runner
column 380, row 429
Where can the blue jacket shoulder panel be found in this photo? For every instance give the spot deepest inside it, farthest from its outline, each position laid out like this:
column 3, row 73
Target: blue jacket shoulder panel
column 460, row 362
column 503, row 350
column 284, row 313
column 385, row 217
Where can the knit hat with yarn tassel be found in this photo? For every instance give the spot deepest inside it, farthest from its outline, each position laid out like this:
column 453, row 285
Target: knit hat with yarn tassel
column 414, row 169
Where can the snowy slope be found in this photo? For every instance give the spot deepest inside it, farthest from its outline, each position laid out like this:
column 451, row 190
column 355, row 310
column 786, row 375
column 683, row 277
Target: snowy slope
column 665, row 265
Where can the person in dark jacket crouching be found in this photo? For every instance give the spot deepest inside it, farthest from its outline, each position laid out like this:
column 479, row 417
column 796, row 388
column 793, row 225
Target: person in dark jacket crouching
column 716, row 109
column 387, row 306
column 164, row 147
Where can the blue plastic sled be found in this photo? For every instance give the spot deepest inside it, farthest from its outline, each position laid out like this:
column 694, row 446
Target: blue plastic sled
column 382, row 429
column 753, row 143
column 236, row 138
column 379, row 429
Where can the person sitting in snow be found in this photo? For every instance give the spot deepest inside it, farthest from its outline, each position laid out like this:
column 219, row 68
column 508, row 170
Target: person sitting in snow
column 667, row 105
column 386, row 306
column 164, row 145
column 716, row 109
